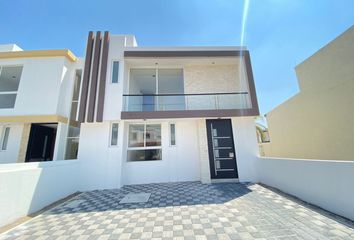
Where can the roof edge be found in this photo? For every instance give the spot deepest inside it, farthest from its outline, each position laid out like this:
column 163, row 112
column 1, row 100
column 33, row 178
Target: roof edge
column 40, row 53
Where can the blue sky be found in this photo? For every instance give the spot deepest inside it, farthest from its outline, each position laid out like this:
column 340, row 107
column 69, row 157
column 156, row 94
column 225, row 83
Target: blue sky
column 279, row 33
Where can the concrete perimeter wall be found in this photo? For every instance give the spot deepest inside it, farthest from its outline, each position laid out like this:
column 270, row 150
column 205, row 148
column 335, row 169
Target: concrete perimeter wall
column 327, row 184
column 28, row 187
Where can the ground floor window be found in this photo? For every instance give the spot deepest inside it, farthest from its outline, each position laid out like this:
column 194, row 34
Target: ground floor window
column 5, row 138
column 114, row 135
column 72, row 143
column 172, row 134
column 144, row 142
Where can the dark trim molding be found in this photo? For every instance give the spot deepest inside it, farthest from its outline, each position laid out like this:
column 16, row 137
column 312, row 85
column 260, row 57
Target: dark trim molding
column 206, row 53
column 102, row 82
column 94, row 79
column 86, row 77
column 251, row 84
column 189, row 114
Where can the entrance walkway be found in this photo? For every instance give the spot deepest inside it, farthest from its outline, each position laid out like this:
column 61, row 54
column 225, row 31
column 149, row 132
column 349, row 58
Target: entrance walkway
column 186, row 210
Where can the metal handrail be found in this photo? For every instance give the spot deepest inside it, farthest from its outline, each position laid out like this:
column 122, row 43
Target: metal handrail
column 184, row 94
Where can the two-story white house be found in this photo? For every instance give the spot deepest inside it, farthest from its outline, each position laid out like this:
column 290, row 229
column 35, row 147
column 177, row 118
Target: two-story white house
column 132, row 114
column 37, row 93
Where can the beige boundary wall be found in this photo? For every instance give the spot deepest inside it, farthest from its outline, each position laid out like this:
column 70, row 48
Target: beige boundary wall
column 318, row 122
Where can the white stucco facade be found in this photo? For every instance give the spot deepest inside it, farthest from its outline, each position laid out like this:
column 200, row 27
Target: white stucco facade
column 107, row 166
column 45, row 93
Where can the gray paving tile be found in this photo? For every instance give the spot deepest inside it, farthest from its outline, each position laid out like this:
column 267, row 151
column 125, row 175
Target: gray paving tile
column 186, row 210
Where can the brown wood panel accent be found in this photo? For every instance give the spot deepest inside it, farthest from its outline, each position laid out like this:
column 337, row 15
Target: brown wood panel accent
column 189, row 114
column 86, row 78
column 94, row 78
column 251, row 84
column 206, row 53
column 102, row 82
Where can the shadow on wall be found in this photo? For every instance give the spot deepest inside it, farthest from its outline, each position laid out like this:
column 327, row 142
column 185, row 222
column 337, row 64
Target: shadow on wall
column 29, row 187
column 347, row 222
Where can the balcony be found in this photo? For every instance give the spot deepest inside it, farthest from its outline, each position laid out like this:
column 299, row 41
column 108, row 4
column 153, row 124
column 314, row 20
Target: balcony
column 189, row 87
column 186, row 105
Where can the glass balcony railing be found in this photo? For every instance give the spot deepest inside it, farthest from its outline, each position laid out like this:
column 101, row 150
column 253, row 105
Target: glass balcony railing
column 175, row 102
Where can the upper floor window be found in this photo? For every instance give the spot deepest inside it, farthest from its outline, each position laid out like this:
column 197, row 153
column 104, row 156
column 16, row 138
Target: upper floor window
column 9, row 81
column 115, row 72
column 73, row 136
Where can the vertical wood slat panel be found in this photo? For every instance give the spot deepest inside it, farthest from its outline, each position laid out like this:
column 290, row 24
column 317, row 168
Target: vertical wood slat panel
column 86, row 78
column 102, row 82
column 95, row 69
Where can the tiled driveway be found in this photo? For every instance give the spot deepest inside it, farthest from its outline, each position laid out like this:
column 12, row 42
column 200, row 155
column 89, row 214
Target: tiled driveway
column 188, row 210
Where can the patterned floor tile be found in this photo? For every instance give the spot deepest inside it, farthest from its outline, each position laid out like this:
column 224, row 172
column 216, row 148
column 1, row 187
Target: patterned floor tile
column 186, row 210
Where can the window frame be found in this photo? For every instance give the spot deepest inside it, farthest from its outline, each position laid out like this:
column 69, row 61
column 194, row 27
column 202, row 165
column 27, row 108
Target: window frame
column 145, row 147
column 110, row 135
column 170, row 134
column 112, row 66
column 76, row 115
column 12, row 92
column 3, row 134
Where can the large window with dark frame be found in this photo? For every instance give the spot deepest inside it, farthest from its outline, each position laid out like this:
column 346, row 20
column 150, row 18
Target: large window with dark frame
column 156, row 89
column 144, row 142
column 10, row 77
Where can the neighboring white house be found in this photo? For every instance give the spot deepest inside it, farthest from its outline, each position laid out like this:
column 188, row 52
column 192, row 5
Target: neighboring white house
column 36, row 92
column 131, row 114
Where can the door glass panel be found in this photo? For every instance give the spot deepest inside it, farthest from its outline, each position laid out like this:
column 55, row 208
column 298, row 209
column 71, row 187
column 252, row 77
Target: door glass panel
column 215, row 142
column 142, row 81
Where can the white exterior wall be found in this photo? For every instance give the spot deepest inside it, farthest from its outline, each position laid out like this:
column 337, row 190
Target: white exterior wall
column 107, row 167
column 29, row 187
column 101, row 163
column 179, row 163
column 13, row 145
column 327, row 184
column 246, row 147
column 114, row 91
column 45, row 86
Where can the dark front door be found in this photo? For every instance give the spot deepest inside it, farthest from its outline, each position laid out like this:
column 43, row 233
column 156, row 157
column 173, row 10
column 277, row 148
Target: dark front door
column 221, row 148
column 41, row 143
